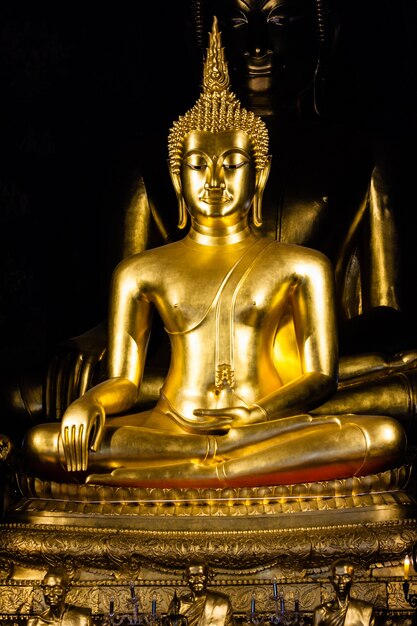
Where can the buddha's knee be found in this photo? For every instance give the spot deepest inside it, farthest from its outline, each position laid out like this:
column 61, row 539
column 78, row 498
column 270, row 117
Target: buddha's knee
column 40, row 447
column 385, row 439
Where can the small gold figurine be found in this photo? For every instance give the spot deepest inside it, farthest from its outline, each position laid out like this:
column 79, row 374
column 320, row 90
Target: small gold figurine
column 344, row 610
column 252, row 328
column 202, row 607
column 55, row 585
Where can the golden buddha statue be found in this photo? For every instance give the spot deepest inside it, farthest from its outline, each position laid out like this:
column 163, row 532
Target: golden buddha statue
column 252, row 328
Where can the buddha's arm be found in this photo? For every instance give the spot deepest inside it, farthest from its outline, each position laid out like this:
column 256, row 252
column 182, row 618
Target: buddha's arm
column 312, row 302
column 382, row 264
column 129, row 327
column 358, row 367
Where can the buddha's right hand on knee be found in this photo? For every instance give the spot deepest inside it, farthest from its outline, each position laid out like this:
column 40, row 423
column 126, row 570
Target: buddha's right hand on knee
column 81, row 430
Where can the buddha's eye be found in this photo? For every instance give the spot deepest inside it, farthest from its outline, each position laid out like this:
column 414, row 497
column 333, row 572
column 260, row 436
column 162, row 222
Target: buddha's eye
column 195, row 162
column 278, row 20
column 234, row 160
column 239, row 20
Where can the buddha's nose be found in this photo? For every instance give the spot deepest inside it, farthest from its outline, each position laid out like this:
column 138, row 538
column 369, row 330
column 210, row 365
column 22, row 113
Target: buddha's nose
column 258, row 37
column 215, row 179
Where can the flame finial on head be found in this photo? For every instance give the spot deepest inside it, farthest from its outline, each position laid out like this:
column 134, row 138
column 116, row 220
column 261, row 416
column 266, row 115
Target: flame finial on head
column 217, row 109
column 216, row 76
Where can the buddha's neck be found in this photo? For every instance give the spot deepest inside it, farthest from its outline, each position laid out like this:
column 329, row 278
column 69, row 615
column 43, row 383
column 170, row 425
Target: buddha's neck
column 214, row 236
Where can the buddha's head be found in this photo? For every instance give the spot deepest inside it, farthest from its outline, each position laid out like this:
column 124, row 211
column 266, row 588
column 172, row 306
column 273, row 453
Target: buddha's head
column 54, row 587
column 342, row 577
column 218, row 152
column 276, row 48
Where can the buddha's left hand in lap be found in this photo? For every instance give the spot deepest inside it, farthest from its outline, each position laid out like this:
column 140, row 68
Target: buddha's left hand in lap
column 240, row 415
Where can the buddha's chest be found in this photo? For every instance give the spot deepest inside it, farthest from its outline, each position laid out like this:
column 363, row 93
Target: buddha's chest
column 221, row 298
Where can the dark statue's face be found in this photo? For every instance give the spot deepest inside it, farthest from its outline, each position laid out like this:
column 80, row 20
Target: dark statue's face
column 54, row 590
column 342, row 580
column 272, row 49
column 197, row 578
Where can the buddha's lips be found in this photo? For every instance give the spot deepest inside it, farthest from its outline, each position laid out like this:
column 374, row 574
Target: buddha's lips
column 215, row 198
column 259, row 66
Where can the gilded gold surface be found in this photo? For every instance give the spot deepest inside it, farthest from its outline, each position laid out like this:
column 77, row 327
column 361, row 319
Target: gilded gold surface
column 24, row 597
column 252, row 351
column 202, row 606
column 344, row 609
column 235, row 548
column 56, row 610
column 389, row 488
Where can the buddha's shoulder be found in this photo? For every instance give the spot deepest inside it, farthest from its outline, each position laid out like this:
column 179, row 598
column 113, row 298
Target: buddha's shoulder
column 294, row 252
column 149, row 258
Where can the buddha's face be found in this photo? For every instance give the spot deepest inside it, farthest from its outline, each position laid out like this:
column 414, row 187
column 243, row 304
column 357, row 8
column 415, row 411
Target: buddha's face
column 54, row 589
column 272, row 48
column 218, row 177
column 342, row 580
column 197, row 578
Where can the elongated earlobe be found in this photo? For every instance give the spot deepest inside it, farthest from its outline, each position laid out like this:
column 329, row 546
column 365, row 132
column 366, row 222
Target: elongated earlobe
column 182, row 213
column 257, row 211
column 261, row 178
column 182, row 207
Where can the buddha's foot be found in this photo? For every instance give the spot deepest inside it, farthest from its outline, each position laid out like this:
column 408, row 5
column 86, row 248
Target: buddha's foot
column 176, row 475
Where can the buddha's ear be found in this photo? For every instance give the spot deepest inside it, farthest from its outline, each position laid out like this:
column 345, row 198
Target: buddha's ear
column 182, row 207
column 261, row 178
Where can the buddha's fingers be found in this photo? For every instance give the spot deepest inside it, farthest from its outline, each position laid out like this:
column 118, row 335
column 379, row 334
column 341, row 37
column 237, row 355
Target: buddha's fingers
column 79, row 443
column 203, row 424
column 74, row 438
column 75, row 444
column 238, row 415
column 69, row 447
column 96, row 432
column 65, row 445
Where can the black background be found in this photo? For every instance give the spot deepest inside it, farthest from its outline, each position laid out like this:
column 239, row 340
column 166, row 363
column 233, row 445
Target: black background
column 84, row 89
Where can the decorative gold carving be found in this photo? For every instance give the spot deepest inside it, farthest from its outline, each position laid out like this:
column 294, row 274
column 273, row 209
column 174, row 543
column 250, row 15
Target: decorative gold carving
column 374, row 593
column 15, row 599
column 245, row 552
column 225, row 376
column 23, row 597
column 395, row 596
column 386, row 488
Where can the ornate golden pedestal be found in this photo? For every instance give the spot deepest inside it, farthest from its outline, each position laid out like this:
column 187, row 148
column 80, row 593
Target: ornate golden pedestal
column 107, row 537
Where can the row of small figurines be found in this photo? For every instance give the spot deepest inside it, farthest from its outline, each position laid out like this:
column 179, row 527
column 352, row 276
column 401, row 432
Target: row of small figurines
column 279, row 617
